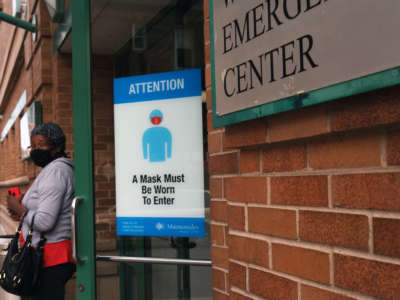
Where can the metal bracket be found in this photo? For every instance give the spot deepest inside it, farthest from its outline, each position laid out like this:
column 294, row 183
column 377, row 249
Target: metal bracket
column 17, row 22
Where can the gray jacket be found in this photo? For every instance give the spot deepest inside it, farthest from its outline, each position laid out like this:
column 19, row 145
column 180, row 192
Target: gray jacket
column 49, row 199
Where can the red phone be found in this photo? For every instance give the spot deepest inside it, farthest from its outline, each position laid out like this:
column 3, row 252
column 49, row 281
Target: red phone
column 15, row 192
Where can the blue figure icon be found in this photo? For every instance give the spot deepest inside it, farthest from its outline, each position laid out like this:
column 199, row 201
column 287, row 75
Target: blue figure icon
column 157, row 141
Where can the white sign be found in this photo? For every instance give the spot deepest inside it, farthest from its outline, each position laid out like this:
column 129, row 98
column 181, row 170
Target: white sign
column 14, row 115
column 159, row 154
column 27, row 123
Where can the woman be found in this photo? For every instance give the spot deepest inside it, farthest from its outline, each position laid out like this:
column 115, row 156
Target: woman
column 49, row 200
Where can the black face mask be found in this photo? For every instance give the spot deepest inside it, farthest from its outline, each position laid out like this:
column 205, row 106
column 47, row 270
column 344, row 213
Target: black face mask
column 41, row 157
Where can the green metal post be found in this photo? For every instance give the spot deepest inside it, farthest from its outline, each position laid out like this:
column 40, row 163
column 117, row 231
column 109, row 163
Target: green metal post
column 59, row 13
column 126, row 271
column 142, row 271
column 17, row 22
column 183, row 271
column 83, row 146
column 134, row 279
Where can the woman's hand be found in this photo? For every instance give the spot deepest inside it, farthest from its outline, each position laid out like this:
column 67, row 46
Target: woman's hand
column 15, row 207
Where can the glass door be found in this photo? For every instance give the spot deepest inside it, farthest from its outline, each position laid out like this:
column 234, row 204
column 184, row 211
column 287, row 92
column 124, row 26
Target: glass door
column 138, row 37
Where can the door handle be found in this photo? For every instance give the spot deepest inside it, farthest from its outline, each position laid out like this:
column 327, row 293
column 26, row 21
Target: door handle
column 74, row 226
column 154, row 260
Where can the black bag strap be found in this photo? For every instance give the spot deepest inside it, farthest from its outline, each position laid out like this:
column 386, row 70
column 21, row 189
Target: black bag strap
column 19, row 230
column 32, row 222
column 22, row 221
column 67, row 163
column 42, row 240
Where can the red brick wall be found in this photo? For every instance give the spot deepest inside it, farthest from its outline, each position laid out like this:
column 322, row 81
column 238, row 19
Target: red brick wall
column 62, row 102
column 11, row 143
column 103, row 144
column 6, row 32
column 305, row 204
column 31, row 72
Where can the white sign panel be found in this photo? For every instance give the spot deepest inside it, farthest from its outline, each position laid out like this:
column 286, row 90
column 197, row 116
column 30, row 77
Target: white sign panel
column 27, row 123
column 159, row 154
column 14, row 115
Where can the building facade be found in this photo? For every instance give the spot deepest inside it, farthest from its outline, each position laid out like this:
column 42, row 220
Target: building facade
column 300, row 205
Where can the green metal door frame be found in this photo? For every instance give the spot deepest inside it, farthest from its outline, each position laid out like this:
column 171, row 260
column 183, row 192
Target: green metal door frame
column 83, row 147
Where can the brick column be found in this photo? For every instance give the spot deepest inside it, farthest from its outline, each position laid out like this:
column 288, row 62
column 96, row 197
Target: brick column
column 305, row 204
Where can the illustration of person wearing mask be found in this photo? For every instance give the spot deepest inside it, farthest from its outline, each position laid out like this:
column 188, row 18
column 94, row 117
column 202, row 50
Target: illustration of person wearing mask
column 157, row 140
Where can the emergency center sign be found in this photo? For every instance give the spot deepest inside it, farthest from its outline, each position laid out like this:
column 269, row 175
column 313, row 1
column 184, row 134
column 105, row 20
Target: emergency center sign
column 159, row 154
column 265, row 51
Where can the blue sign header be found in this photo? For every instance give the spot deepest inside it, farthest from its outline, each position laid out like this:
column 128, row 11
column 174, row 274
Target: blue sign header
column 177, row 84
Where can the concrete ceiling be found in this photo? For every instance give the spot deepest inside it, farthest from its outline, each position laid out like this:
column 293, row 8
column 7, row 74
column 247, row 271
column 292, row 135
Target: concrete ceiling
column 113, row 20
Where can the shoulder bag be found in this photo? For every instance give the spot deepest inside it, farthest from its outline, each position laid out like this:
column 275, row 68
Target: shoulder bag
column 19, row 274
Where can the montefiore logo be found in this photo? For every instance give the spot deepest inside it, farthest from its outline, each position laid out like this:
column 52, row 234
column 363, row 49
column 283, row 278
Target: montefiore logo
column 159, row 226
column 183, row 227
